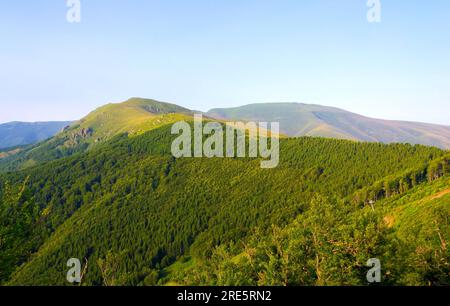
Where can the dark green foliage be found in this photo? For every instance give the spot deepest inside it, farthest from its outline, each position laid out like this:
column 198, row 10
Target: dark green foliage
column 401, row 183
column 331, row 242
column 132, row 211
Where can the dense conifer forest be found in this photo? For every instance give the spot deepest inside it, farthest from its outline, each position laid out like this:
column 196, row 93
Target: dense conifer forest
column 135, row 215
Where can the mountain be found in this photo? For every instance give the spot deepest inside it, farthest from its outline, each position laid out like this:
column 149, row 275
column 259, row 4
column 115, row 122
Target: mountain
column 15, row 134
column 135, row 215
column 136, row 116
column 108, row 191
column 297, row 119
column 132, row 117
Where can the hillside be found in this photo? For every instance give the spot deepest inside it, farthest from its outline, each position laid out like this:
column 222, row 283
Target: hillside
column 137, row 216
column 133, row 117
column 15, row 134
column 298, row 119
column 136, row 116
column 330, row 243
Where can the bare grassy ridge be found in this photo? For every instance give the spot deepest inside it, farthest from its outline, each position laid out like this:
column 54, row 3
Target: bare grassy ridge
column 297, row 119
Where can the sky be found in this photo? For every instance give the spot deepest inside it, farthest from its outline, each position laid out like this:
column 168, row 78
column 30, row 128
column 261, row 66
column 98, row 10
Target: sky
column 204, row 54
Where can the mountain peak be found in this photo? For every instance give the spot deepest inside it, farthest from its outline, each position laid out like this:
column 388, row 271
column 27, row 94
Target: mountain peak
column 133, row 116
column 154, row 106
column 300, row 119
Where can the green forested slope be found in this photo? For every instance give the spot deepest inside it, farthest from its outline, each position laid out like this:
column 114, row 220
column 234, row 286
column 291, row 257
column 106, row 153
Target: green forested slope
column 133, row 212
column 133, row 117
column 331, row 242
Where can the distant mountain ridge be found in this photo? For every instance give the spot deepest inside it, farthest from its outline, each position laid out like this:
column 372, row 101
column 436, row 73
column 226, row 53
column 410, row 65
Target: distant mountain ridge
column 16, row 133
column 137, row 116
column 298, row 119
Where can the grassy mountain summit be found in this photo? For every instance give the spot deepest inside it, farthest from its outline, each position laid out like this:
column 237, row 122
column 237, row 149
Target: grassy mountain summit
column 132, row 117
column 297, row 119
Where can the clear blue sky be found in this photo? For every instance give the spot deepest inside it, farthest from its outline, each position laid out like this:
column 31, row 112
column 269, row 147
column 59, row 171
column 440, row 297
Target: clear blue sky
column 220, row 53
